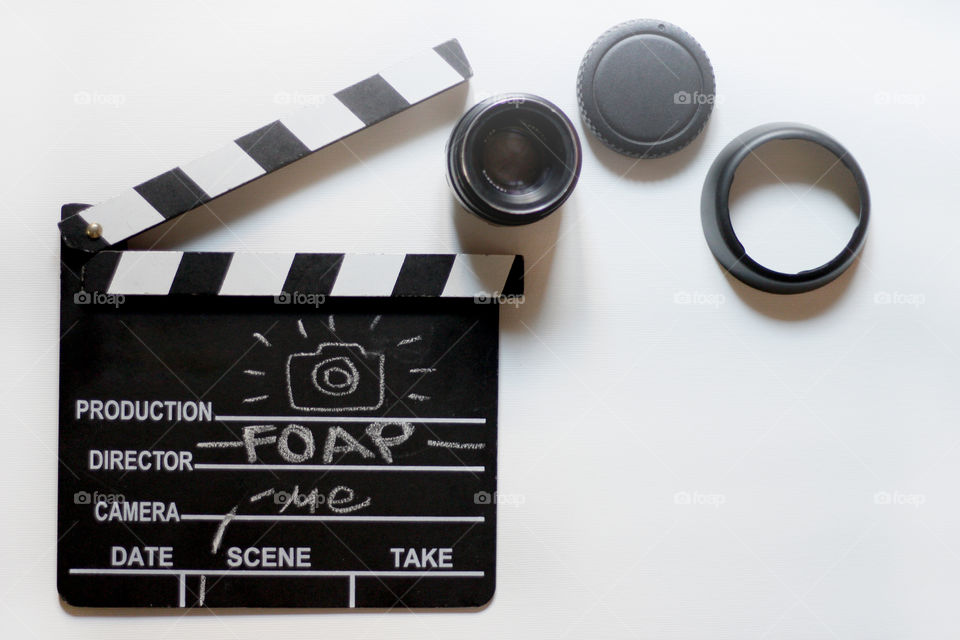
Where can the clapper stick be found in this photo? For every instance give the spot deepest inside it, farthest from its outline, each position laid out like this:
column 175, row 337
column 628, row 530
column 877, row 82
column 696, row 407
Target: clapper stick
column 267, row 149
column 288, row 275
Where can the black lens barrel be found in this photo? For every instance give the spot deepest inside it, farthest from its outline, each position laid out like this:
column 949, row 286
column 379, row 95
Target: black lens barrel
column 513, row 159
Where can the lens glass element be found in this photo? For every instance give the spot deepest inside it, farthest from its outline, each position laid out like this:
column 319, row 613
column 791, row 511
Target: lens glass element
column 512, row 160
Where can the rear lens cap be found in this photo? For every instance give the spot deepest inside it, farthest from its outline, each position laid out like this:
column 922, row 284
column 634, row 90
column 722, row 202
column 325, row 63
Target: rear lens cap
column 646, row 88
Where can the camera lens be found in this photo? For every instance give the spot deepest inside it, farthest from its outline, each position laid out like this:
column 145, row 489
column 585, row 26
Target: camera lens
column 513, row 159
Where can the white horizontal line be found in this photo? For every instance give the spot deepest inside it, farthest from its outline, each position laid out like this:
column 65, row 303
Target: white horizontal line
column 280, row 573
column 351, row 419
column 313, row 518
column 331, row 467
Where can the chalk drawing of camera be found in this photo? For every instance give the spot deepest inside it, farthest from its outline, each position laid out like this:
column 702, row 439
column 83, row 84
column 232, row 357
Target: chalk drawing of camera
column 338, row 376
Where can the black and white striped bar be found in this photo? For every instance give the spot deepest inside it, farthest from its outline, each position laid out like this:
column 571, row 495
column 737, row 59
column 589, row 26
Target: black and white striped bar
column 275, row 274
column 269, row 148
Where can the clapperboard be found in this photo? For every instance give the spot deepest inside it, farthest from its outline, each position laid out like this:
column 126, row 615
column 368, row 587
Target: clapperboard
column 277, row 429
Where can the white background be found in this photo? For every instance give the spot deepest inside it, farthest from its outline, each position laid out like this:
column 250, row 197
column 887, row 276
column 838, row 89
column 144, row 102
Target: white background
column 745, row 465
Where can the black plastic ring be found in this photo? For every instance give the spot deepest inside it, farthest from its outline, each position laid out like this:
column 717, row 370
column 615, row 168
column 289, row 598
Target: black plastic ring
column 715, row 211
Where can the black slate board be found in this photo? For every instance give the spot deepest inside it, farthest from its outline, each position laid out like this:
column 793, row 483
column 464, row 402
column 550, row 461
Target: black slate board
column 203, row 349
